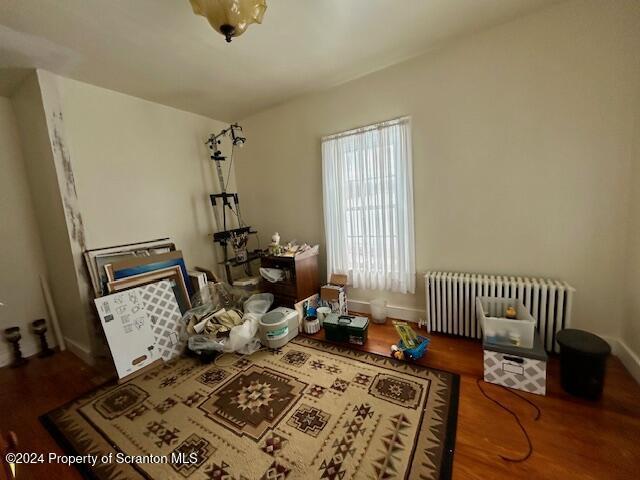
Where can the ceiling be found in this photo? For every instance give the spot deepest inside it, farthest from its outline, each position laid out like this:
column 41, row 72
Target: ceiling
column 159, row 50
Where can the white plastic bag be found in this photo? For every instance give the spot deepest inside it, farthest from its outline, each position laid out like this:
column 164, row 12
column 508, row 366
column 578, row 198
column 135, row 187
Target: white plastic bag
column 272, row 275
column 258, row 303
column 244, row 338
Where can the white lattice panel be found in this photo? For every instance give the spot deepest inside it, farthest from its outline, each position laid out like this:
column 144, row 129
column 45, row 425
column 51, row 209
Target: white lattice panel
column 162, row 307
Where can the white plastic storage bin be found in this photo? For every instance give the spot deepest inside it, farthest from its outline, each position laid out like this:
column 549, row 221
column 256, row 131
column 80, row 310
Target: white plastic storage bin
column 496, row 328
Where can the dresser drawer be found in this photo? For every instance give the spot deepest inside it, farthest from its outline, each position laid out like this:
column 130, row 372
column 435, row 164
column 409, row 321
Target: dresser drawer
column 287, row 289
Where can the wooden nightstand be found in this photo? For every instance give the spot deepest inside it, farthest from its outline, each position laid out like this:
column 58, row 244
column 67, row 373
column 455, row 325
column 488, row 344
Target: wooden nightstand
column 301, row 278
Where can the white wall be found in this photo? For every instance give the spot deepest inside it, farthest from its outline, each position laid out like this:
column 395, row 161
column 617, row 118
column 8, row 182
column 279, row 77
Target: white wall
column 105, row 169
column 631, row 321
column 142, row 170
column 44, row 173
column 21, row 255
column 522, row 140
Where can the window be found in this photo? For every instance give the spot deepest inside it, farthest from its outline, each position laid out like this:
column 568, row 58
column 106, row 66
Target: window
column 368, row 206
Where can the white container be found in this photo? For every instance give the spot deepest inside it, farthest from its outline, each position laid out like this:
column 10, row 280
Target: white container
column 322, row 313
column 311, row 325
column 277, row 327
column 496, row 328
column 379, row 310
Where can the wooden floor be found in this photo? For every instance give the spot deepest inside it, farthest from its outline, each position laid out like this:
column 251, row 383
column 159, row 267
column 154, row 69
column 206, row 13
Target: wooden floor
column 573, row 439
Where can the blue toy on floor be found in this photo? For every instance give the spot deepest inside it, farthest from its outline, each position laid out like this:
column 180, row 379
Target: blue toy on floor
column 416, row 352
column 411, row 346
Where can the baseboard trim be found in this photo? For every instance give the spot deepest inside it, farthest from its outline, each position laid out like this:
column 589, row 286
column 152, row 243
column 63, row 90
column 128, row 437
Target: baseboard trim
column 80, row 351
column 629, row 359
column 408, row 314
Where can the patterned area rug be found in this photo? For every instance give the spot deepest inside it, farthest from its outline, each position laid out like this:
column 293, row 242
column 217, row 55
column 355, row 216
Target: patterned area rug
column 309, row 410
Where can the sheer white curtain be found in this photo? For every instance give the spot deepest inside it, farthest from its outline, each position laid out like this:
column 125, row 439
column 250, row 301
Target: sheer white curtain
column 368, row 206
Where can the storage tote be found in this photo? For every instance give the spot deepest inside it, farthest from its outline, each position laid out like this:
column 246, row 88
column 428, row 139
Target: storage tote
column 496, row 328
column 515, row 367
column 346, row 328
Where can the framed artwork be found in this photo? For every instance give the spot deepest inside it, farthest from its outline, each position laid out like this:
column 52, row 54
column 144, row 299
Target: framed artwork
column 138, row 265
column 97, row 258
column 103, row 260
column 173, row 274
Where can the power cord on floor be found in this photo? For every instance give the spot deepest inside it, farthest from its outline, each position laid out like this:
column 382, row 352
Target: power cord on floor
column 515, row 415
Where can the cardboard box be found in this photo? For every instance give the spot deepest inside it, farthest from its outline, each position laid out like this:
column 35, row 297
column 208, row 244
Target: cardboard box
column 335, row 293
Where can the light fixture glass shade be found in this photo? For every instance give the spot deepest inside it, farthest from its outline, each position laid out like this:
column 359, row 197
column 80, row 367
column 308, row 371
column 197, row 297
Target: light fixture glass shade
column 230, row 17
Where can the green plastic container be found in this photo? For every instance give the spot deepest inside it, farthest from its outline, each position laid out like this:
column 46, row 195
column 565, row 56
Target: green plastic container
column 346, row 328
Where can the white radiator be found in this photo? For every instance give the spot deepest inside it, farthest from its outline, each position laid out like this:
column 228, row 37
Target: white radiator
column 451, row 306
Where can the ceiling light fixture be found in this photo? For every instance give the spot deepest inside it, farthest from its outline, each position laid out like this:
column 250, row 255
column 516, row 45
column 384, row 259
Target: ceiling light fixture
column 230, row 17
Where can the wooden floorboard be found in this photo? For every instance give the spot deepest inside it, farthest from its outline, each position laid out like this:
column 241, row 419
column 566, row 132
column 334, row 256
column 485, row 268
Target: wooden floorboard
column 574, row 438
column 37, row 388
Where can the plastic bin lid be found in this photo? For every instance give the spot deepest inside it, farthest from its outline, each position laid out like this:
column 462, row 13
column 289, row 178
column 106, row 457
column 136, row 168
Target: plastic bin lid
column 583, row 342
column 276, row 316
column 537, row 352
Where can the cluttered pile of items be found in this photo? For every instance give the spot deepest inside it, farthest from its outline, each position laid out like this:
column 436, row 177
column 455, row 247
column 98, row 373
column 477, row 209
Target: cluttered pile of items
column 152, row 308
column 329, row 311
column 141, row 292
